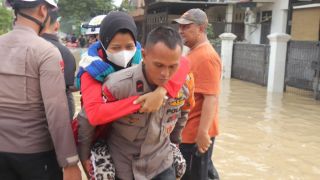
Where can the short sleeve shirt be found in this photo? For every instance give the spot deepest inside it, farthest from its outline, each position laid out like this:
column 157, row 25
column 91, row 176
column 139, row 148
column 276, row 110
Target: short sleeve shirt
column 206, row 68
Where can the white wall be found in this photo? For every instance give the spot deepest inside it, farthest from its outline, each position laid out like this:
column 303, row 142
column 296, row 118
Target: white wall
column 253, row 33
column 252, row 30
column 278, row 23
column 279, row 16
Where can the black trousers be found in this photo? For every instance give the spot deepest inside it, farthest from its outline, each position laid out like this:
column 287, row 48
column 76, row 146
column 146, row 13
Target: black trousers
column 37, row 166
column 199, row 166
column 168, row 174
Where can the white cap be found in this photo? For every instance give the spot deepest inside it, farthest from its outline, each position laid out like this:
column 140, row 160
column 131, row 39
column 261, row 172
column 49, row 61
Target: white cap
column 94, row 25
column 8, row 3
column 53, row 2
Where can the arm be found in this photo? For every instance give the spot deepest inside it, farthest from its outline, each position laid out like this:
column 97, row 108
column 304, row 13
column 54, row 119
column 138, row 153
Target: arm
column 151, row 102
column 99, row 112
column 178, row 79
column 70, row 66
column 175, row 136
column 85, row 136
column 52, row 88
column 208, row 112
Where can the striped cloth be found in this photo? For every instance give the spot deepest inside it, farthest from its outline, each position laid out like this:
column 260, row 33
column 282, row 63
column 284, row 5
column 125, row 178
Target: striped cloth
column 92, row 63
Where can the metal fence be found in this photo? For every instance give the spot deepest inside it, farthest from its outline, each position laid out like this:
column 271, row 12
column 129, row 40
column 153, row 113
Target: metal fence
column 302, row 70
column 251, row 62
column 217, row 48
column 220, row 27
column 156, row 20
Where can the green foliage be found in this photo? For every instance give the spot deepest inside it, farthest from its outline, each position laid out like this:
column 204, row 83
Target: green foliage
column 211, row 36
column 215, row 42
column 210, row 32
column 125, row 6
column 75, row 12
column 6, row 19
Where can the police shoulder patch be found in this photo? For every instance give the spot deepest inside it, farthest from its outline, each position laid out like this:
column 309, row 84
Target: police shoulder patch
column 139, row 86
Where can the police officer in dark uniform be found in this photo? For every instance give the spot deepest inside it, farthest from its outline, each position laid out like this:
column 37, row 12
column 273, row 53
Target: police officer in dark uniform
column 50, row 34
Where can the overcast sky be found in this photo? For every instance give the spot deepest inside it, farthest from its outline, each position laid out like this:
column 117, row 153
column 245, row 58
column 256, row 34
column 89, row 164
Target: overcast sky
column 117, row 2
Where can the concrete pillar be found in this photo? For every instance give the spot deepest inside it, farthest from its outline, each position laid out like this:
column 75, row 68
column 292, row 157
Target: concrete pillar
column 229, row 17
column 277, row 61
column 226, row 53
column 279, row 16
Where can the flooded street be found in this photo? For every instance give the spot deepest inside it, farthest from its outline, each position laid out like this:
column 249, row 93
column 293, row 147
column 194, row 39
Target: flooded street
column 265, row 136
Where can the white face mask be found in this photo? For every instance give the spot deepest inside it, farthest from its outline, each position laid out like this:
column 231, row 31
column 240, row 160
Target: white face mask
column 121, row 58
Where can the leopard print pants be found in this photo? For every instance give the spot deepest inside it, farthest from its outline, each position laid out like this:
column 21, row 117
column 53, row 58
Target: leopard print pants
column 102, row 167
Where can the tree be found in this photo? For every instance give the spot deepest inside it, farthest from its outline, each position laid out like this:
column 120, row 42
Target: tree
column 126, row 6
column 6, row 19
column 210, row 32
column 75, row 12
column 211, row 36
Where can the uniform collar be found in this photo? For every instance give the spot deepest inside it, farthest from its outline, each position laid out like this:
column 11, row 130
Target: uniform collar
column 50, row 36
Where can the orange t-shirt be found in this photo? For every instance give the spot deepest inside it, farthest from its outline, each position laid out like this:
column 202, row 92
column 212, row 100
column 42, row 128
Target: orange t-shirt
column 206, row 69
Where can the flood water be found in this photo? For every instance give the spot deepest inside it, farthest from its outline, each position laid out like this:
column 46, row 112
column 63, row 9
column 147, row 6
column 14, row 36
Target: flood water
column 265, row 136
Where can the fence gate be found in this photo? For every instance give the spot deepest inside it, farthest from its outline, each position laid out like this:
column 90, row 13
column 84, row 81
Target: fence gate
column 303, row 65
column 156, row 20
column 251, row 62
column 265, row 31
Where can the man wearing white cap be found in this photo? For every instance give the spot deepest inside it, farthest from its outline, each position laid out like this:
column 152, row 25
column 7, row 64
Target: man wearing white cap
column 36, row 140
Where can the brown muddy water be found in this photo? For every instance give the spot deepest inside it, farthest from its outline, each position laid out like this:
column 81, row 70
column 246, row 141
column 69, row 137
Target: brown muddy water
column 265, row 135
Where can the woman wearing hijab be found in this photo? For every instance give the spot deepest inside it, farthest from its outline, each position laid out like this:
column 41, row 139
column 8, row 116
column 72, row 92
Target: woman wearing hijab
column 116, row 50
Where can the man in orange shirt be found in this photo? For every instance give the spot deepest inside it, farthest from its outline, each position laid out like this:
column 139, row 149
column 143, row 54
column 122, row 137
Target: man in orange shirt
column 202, row 126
